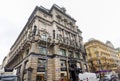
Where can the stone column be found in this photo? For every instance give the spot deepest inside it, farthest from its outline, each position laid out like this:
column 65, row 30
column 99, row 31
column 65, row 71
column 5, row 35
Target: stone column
column 29, row 73
column 56, row 69
column 22, row 72
column 33, row 65
column 55, row 49
column 50, row 70
column 67, row 66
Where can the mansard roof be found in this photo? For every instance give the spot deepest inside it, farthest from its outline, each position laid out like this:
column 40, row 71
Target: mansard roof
column 62, row 10
column 92, row 40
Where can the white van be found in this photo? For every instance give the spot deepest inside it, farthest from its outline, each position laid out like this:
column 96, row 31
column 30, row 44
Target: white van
column 88, row 77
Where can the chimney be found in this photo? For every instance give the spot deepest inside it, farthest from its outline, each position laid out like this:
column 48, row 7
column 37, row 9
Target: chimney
column 63, row 9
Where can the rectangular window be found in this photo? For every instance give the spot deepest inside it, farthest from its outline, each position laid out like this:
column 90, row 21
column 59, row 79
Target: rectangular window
column 42, row 50
column 44, row 25
column 63, row 65
column 97, row 55
column 62, row 52
column 44, row 37
column 98, row 62
column 41, row 65
column 70, row 54
column 77, row 55
column 78, row 65
column 53, row 34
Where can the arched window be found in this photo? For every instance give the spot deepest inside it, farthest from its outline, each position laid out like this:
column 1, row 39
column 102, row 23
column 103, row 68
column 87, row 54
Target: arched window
column 34, row 30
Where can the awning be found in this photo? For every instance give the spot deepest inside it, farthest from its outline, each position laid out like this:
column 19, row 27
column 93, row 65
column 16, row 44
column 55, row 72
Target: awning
column 103, row 71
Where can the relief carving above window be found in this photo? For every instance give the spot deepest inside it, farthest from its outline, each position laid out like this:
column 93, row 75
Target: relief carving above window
column 60, row 38
column 39, row 34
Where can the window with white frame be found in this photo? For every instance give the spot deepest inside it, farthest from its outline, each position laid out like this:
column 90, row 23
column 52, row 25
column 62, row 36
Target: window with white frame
column 44, row 37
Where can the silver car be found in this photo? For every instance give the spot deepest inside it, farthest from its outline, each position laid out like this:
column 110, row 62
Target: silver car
column 109, row 78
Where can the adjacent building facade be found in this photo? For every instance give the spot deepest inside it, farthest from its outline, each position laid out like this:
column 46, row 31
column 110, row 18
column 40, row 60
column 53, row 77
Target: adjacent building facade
column 101, row 57
column 50, row 47
column 118, row 51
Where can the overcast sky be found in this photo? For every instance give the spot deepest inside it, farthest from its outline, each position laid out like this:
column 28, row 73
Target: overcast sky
column 99, row 19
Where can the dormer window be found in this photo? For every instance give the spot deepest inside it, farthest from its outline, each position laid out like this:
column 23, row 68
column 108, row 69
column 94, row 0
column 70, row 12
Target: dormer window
column 58, row 18
column 65, row 20
column 71, row 24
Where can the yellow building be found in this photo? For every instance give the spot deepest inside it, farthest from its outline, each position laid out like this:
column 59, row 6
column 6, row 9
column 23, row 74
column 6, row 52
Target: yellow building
column 118, row 50
column 101, row 57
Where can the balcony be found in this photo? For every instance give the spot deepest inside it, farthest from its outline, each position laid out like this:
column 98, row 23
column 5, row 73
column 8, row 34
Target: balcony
column 93, row 58
column 66, row 42
column 103, row 57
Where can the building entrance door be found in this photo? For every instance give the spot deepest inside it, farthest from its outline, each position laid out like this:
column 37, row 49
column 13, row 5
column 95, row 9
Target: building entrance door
column 73, row 71
column 40, row 77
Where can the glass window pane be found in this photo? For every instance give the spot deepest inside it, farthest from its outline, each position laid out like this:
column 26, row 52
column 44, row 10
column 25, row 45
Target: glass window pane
column 42, row 50
column 63, row 64
column 41, row 63
column 70, row 54
column 44, row 37
column 62, row 52
column 77, row 55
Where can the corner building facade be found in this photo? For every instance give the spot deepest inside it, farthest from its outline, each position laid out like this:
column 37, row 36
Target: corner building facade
column 102, row 57
column 49, row 47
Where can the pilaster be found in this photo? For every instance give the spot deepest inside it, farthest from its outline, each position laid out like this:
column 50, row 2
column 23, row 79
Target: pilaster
column 56, row 71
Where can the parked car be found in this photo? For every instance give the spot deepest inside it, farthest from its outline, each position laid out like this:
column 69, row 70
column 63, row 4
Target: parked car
column 86, row 76
column 109, row 77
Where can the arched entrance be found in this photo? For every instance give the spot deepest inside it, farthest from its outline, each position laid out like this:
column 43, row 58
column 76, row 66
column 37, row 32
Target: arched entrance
column 73, row 70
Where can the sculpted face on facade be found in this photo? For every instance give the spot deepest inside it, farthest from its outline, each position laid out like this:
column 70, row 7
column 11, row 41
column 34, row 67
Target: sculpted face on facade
column 50, row 37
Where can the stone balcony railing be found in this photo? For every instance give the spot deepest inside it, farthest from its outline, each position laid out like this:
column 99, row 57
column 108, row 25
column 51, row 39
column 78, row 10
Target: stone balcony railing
column 65, row 41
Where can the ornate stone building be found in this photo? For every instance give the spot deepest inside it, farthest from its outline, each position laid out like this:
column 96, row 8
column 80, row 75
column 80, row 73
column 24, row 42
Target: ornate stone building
column 50, row 47
column 101, row 57
column 118, row 51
